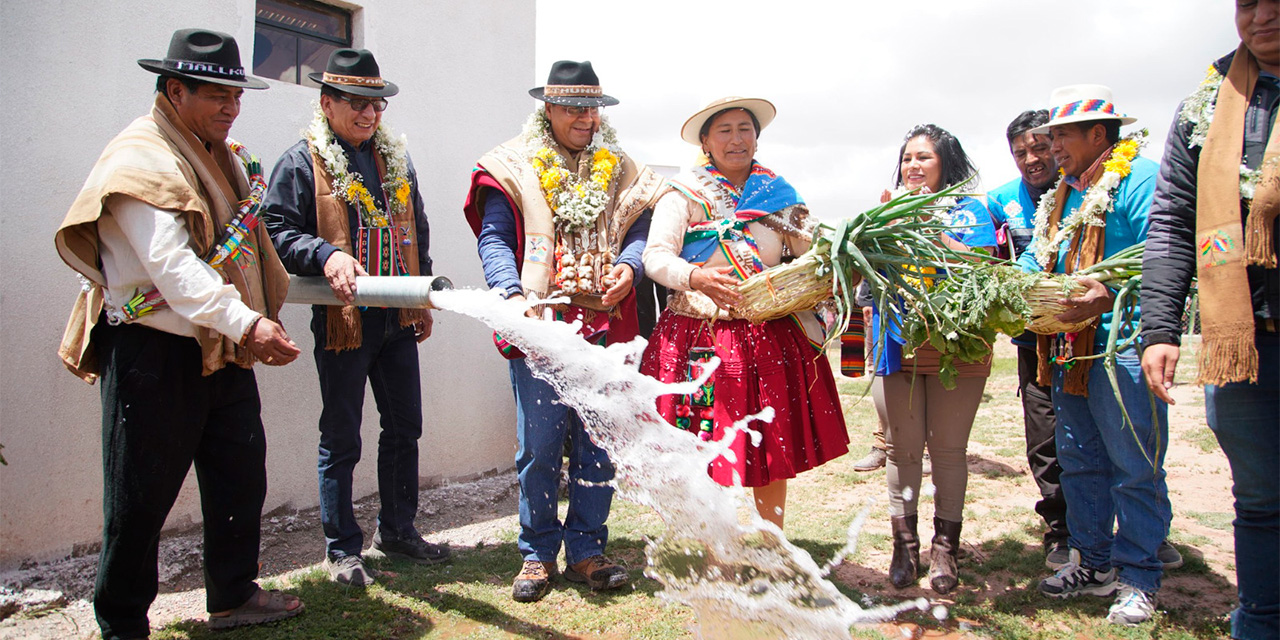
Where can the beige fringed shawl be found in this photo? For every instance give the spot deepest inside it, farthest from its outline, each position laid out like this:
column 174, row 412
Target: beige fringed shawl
column 158, row 160
column 343, row 328
column 636, row 189
column 1224, row 246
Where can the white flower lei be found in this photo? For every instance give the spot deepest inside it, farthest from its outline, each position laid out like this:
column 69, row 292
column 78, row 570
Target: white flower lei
column 1198, row 110
column 1098, row 200
column 577, row 204
column 395, row 156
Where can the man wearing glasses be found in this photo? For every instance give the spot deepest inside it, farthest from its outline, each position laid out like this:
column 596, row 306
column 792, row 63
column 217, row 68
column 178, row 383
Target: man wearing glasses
column 344, row 202
column 560, row 210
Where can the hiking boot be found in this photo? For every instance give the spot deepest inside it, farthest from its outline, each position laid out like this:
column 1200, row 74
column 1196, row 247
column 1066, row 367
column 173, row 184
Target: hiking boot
column 598, row 572
column 1169, row 556
column 875, row 459
column 1132, row 606
column 943, row 572
column 1075, row 579
column 413, row 549
column 904, row 568
column 350, row 570
column 1057, row 554
column 533, row 582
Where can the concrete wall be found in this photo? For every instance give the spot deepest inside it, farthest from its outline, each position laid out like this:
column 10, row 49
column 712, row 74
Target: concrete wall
column 463, row 69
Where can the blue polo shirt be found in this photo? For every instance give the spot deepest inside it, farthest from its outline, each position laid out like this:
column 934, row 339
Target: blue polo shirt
column 1127, row 224
column 1014, row 203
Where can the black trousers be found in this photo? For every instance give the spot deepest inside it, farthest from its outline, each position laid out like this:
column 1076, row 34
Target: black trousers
column 1042, row 450
column 159, row 416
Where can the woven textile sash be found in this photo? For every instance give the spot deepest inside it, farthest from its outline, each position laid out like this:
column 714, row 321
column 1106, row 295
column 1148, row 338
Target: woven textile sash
column 853, row 363
column 763, row 194
column 378, row 250
column 1224, row 246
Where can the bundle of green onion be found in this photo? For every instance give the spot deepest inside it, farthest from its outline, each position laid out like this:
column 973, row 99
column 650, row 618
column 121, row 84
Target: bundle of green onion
column 890, row 246
column 960, row 315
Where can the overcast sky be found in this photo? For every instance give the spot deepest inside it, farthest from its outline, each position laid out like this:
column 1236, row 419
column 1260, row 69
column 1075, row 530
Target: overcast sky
column 850, row 78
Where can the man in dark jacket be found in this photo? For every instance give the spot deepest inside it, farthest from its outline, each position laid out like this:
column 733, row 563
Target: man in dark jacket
column 344, row 202
column 1214, row 217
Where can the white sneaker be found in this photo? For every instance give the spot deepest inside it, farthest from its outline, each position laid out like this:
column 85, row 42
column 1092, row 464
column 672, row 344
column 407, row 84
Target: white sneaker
column 1132, row 606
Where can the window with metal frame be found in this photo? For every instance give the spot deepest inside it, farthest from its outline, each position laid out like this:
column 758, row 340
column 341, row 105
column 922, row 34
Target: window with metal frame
column 295, row 37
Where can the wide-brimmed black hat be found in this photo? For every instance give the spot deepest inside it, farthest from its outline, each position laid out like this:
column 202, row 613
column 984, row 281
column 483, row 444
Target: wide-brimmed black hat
column 207, row 56
column 355, row 71
column 573, row 84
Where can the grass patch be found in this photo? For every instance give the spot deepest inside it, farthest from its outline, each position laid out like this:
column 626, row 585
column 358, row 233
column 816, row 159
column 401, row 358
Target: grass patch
column 1202, row 438
column 997, row 598
column 1220, row 520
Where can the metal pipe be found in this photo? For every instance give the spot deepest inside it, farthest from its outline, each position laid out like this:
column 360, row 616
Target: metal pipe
column 398, row 292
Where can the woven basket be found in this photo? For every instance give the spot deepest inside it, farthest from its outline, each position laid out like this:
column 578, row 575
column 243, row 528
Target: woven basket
column 784, row 289
column 1043, row 299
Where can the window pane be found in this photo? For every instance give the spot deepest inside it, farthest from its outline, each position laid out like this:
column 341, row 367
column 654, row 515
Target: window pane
column 275, row 54
column 315, row 57
column 307, row 18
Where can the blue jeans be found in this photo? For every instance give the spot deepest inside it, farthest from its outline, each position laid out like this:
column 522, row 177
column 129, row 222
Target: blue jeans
column 1246, row 419
column 388, row 359
column 1117, row 502
column 542, row 424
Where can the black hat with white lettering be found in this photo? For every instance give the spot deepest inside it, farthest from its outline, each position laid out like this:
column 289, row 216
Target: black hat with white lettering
column 205, row 56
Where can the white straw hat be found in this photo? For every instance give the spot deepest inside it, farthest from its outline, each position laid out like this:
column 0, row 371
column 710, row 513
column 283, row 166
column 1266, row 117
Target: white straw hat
column 762, row 109
column 1081, row 103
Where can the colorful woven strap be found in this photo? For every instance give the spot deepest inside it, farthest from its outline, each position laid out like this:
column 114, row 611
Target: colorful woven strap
column 1082, row 107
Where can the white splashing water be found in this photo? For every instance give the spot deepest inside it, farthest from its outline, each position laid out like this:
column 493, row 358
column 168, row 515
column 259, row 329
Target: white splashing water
column 742, row 580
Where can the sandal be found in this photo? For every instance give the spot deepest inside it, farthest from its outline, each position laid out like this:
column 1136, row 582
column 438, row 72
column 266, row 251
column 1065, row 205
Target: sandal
column 262, row 607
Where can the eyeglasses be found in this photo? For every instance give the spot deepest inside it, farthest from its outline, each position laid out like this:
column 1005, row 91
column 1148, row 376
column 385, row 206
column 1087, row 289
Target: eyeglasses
column 359, row 104
column 578, row 111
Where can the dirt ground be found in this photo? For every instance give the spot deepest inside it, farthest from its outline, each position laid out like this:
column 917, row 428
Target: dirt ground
column 1198, row 477
column 462, row 515
column 51, row 598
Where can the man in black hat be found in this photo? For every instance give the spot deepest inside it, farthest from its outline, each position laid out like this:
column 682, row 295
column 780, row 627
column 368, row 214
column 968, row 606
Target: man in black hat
column 182, row 287
column 344, row 202
column 561, row 211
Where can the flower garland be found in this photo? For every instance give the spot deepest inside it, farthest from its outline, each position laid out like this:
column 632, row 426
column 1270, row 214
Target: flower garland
column 1197, row 110
column 575, row 203
column 350, row 185
column 1098, row 199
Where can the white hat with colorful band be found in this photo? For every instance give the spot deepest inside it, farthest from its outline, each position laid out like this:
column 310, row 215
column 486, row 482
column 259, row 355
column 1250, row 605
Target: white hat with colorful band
column 1082, row 103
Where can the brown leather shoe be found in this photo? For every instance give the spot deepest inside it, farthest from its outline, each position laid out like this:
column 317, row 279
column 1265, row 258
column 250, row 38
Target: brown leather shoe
column 598, row 572
column 533, row 582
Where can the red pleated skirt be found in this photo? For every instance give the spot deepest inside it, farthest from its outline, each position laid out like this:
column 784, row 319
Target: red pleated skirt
column 762, row 365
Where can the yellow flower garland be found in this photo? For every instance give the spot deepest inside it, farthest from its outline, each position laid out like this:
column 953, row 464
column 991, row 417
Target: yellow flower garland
column 575, row 203
column 1096, row 202
column 1121, row 160
column 349, row 185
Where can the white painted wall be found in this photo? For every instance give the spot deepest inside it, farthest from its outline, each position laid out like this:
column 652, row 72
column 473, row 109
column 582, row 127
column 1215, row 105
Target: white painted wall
column 463, row 68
